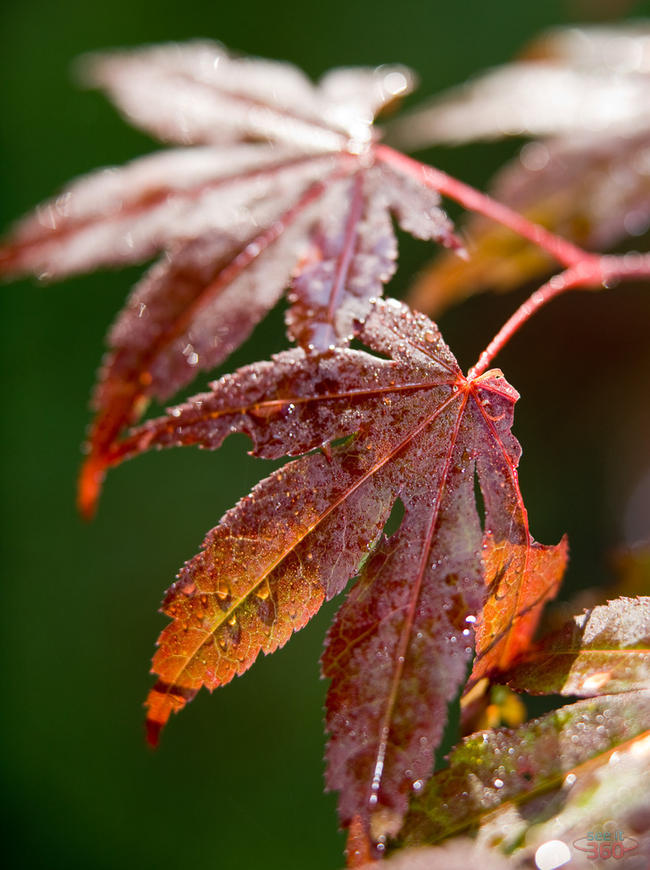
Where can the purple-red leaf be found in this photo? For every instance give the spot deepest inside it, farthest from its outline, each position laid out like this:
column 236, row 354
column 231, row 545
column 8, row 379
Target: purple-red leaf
column 355, row 250
column 197, row 93
column 399, row 648
column 125, row 215
column 309, row 205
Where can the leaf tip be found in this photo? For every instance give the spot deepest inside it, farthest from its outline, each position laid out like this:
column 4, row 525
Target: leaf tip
column 152, row 732
column 90, row 483
column 163, row 700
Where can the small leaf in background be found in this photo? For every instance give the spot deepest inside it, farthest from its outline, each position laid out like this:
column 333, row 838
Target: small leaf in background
column 594, row 191
column 632, row 566
column 569, row 82
column 601, row 651
column 556, row 777
column 582, row 93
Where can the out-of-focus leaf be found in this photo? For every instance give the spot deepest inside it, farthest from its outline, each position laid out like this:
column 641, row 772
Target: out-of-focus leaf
column 632, row 566
column 554, row 777
column 594, row 191
column 601, row 651
column 586, row 91
column 398, row 650
column 198, row 92
column 458, row 854
column 571, row 82
column 280, row 188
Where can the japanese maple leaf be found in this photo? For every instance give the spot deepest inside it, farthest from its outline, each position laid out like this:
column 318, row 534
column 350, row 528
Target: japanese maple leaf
column 280, row 188
column 417, row 430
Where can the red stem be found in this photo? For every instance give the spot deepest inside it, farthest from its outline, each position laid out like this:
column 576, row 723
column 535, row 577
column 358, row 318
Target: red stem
column 564, row 252
column 591, row 272
column 583, row 269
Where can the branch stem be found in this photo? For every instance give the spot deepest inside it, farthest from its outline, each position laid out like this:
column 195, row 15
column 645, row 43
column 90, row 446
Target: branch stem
column 563, row 251
column 593, row 271
column 582, row 269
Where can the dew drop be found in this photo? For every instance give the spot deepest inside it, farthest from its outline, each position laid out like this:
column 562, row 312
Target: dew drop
column 263, row 591
column 552, row 854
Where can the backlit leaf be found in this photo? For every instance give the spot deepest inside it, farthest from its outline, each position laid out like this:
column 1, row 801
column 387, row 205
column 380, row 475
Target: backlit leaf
column 570, row 82
column 281, row 189
column 511, row 613
column 400, row 646
column 601, row 651
column 583, row 94
column 501, row 784
column 593, row 190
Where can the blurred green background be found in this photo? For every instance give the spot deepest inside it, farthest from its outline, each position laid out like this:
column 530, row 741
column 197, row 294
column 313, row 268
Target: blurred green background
column 238, row 780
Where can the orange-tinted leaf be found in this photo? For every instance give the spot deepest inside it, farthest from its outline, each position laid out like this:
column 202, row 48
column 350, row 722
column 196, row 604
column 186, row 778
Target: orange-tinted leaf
column 601, row 651
column 399, row 648
column 521, row 578
column 263, row 572
column 481, row 709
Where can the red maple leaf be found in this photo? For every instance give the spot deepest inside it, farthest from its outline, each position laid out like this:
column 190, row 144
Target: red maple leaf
column 280, row 189
column 416, row 430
